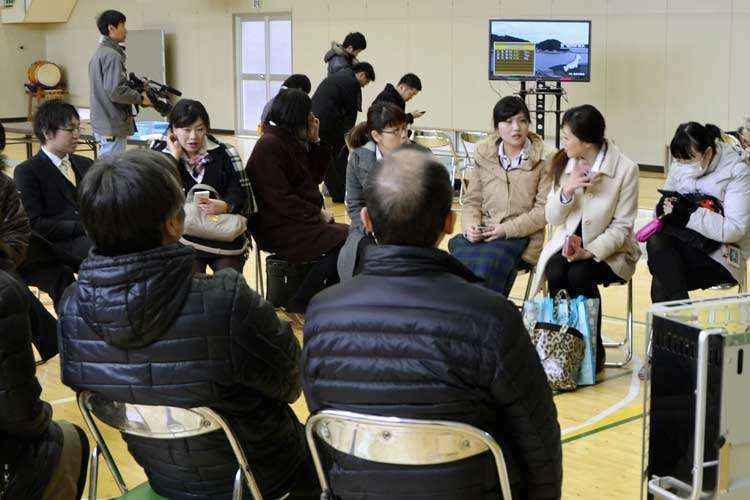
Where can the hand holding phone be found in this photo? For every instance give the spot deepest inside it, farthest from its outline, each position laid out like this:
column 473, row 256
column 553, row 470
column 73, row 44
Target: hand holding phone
column 201, row 197
column 572, row 245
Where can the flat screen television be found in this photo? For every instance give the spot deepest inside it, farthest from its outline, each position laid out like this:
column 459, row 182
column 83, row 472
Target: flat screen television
column 529, row 49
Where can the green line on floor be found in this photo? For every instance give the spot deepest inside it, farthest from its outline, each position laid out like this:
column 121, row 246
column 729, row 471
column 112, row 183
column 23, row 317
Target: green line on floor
column 597, row 430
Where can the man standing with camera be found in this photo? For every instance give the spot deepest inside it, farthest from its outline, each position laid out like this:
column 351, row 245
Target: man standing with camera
column 112, row 99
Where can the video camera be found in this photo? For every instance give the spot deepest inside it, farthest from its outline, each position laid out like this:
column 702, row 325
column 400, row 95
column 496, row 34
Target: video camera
column 158, row 93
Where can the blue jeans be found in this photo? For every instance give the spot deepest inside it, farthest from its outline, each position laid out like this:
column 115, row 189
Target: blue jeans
column 110, row 145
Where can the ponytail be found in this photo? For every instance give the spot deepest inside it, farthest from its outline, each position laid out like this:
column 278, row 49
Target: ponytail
column 559, row 161
column 692, row 137
column 358, row 136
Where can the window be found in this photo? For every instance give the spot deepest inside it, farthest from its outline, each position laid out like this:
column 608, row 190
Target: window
column 263, row 46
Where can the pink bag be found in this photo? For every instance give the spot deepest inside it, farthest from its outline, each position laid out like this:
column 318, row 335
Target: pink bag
column 649, row 230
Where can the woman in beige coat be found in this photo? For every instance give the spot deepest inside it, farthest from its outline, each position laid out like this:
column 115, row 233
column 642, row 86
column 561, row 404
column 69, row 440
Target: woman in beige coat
column 503, row 217
column 593, row 206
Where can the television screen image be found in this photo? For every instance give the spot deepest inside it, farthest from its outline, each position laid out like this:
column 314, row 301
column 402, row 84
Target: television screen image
column 540, row 50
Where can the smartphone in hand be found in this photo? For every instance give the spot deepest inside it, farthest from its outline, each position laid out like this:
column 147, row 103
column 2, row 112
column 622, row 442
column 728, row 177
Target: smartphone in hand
column 201, row 196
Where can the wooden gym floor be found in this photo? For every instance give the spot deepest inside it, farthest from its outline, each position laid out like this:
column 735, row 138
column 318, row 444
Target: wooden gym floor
column 601, row 425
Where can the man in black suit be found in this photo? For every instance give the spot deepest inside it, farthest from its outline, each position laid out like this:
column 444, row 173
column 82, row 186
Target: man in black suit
column 336, row 102
column 47, row 182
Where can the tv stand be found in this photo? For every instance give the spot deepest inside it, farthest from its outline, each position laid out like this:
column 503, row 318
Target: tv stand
column 542, row 90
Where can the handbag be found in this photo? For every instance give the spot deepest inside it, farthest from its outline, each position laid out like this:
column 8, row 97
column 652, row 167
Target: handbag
column 579, row 314
column 561, row 350
column 222, row 227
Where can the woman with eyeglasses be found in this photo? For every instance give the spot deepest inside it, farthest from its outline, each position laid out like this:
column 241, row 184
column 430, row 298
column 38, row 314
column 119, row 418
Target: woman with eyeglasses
column 705, row 211
column 503, row 217
column 385, row 130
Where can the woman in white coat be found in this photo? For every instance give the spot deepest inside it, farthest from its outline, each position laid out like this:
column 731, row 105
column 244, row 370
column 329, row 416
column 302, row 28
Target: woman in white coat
column 705, row 165
column 593, row 206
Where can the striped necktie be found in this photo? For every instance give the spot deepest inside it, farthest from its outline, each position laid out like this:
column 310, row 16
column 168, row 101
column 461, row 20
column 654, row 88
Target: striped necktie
column 67, row 169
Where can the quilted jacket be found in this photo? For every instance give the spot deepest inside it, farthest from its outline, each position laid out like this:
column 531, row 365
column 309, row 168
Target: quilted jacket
column 141, row 328
column 413, row 336
column 30, row 443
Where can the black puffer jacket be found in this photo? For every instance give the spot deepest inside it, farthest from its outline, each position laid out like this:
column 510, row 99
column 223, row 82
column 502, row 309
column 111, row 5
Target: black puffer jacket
column 412, row 337
column 30, row 443
column 141, row 328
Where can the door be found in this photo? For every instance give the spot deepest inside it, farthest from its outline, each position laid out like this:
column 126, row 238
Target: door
column 263, row 61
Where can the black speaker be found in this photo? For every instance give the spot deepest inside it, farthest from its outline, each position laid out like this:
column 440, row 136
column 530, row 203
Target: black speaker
column 672, row 405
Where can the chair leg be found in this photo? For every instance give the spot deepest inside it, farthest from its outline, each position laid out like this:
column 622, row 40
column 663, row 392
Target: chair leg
column 527, row 293
column 94, row 472
column 627, row 343
column 237, row 491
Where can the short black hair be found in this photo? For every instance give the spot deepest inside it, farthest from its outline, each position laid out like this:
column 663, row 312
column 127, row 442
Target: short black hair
column 355, row 40
column 186, row 112
column 366, row 68
column 125, row 199
column 109, row 18
column 693, row 137
column 508, row 107
column 408, row 196
column 290, row 111
column 412, row 81
column 298, row 81
column 51, row 116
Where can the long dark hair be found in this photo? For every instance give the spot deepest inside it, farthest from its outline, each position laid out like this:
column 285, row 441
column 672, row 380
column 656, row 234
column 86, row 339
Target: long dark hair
column 588, row 125
column 380, row 116
column 290, row 111
column 693, row 137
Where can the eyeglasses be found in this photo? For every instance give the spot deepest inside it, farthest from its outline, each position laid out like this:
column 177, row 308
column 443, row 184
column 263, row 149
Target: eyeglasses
column 396, row 131
column 72, row 129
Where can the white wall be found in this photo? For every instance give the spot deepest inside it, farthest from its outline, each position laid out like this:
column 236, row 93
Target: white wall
column 20, row 47
column 655, row 63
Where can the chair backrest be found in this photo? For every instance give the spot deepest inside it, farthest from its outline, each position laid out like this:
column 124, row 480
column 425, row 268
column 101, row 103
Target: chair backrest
column 433, row 139
column 471, row 137
column 400, row 441
column 157, row 422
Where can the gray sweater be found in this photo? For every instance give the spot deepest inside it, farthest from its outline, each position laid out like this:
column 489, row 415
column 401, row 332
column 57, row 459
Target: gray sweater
column 361, row 162
column 111, row 99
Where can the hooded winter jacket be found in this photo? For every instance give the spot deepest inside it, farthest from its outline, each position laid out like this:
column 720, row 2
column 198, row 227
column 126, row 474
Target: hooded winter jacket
column 142, row 328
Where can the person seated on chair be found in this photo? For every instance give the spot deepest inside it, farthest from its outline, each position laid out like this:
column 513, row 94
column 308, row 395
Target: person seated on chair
column 285, row 168
column 503, row 216
column 413, row 336
column 41, row 458
column 383, row 132
column 298, row 81
column 201, row 159
column 407, row 88
column 336, row 102
column 150, row 331
column 593, row 206
column 344, row 55
column 47, row 182
column 703, row 164
column 15, row 235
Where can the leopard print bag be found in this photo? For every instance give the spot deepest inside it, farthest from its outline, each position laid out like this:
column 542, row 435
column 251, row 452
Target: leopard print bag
column 561, row 350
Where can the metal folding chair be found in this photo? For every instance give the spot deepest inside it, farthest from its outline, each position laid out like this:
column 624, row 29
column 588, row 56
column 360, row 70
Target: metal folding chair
column 440, row 143
column 525, row 268
column 399, row 441
column 627, row 343
column 468, row 137
column 156, row 422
